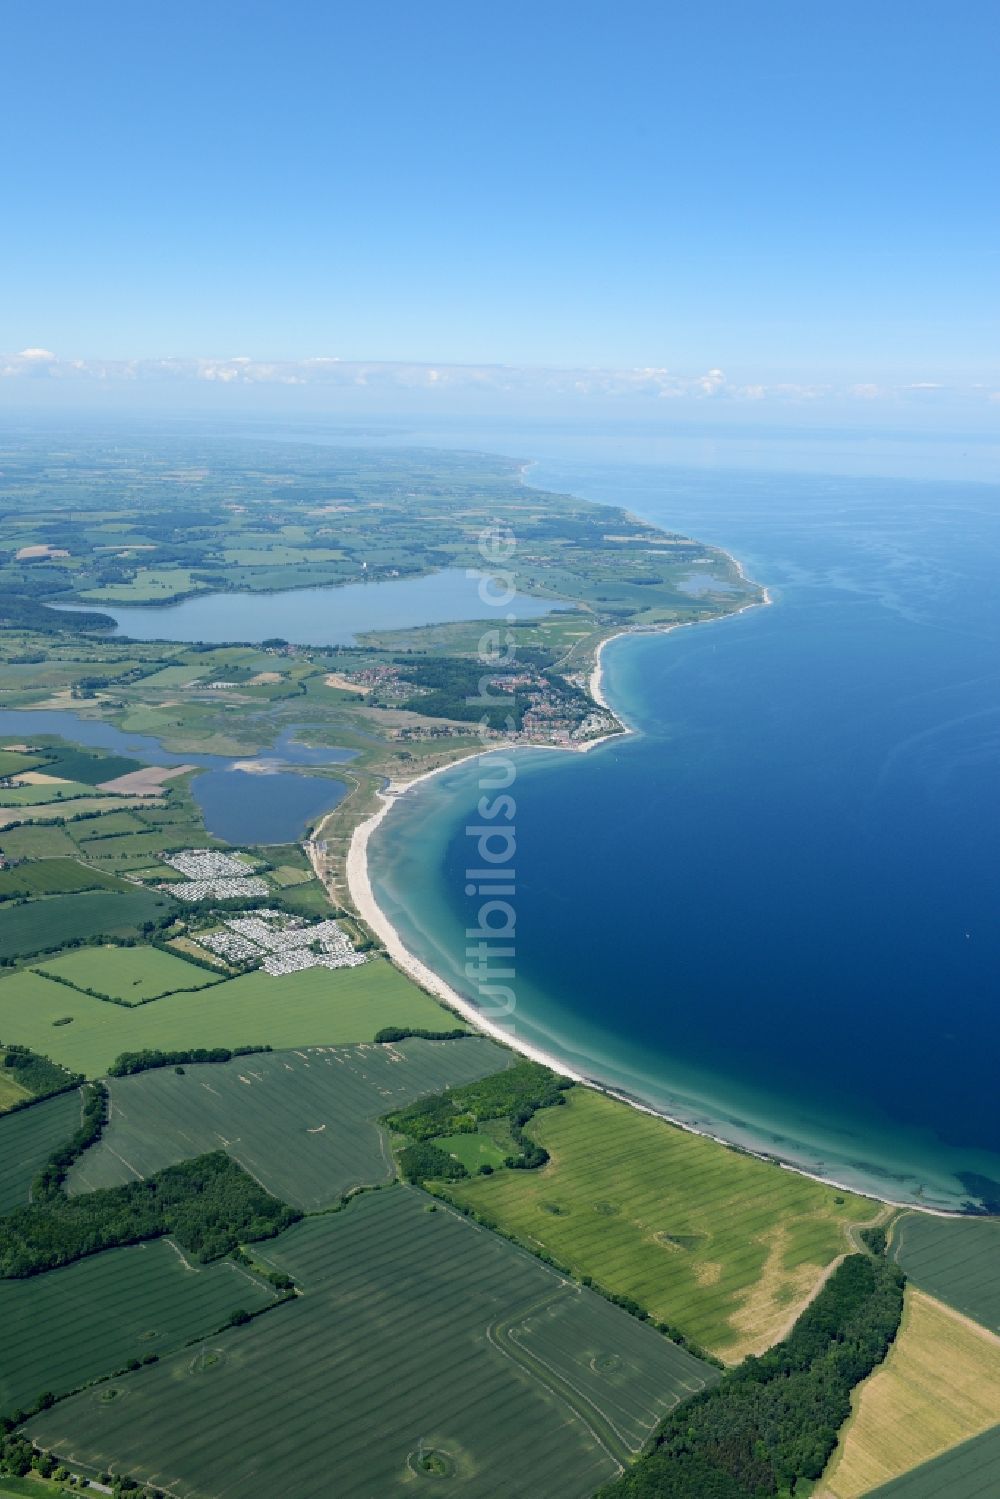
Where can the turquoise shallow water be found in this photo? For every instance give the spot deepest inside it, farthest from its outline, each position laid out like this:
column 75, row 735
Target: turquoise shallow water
column 773, row 910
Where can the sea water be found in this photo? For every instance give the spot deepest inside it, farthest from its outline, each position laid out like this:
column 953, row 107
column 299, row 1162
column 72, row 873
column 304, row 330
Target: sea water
column 772, row 912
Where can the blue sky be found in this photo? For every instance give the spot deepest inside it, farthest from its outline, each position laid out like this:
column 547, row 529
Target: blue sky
column 800, row 196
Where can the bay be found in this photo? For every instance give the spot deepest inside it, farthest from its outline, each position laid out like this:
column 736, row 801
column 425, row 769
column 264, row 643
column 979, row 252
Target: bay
column 772, row 911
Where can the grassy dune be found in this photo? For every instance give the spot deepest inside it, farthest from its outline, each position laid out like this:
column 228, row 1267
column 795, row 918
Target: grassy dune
column 939, row 1386
column 725, row 1247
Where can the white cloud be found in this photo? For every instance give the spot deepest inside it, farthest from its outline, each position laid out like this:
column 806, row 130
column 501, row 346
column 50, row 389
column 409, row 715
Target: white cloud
column 653, row 382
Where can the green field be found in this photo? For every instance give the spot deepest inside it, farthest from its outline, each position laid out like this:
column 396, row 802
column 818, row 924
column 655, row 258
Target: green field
column 971, row 1471
column 152, row 585
column 722, row 1246
column 416, row 1335
column 303, row 1123
column 30, row 796
column 79, row 810
column 113, row 825
column 313, row 1008
column 35, row 841
column 78, row 764
column 132, row 975
column 68, row 1326
column 11, row 1091
column 51, row 922
column 27, row 1139
column 474, row 1150
column 13, row 763
column 133, row 850
column 54, row 877
column 955, row 1259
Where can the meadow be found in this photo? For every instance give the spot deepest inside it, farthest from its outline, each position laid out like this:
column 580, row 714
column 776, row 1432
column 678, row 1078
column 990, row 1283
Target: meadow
column 314, row 1008
column 971, row 1471
column 52, row 921
column 939, row 1386
column 54, row 877
column 27, row 1139
column 130, row 975
column 389, row 1368
column 11, row 1091
column 303, row 1123
column 69, row 1326
column 720, row 1245
column 36, row 841
column 953, row 1259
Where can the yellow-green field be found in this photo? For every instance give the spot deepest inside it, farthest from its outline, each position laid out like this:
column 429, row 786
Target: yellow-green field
column 722, row 1246
column 10, row 1091
column 939, row 1386
column 131, row 975
column 316, row 1007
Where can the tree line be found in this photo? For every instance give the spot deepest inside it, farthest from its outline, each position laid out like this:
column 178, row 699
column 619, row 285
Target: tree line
column 209, row 1204
column 772, row 1422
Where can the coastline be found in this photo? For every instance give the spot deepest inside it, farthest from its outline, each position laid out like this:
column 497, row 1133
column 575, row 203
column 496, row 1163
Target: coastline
column 359, row 882
column 363, row 896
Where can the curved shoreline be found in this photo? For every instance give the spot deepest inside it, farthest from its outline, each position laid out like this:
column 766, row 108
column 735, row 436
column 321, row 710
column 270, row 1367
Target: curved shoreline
column 360, row 886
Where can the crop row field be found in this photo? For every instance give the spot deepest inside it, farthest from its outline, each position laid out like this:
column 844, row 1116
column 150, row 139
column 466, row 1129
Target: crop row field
column 316, row 1007
column 55, row 920
column 303, row 1123
column 971, row 1471
column 422, row 1348
column 939, row 1385
column 36, row 841
column 955, row 1259
column 68, row 1326
column 129, row 975
column 725, row 1247
column 54, row 877
column 27, row 1139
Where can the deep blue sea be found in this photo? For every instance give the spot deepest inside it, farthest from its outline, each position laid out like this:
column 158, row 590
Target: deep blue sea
column 774, row 910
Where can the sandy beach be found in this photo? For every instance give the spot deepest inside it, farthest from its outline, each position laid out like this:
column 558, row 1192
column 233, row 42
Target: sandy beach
column 363, row 896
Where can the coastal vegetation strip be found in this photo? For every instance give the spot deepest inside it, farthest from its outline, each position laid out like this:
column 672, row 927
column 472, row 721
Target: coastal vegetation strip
column 939, row 1386
column 716, row 1243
